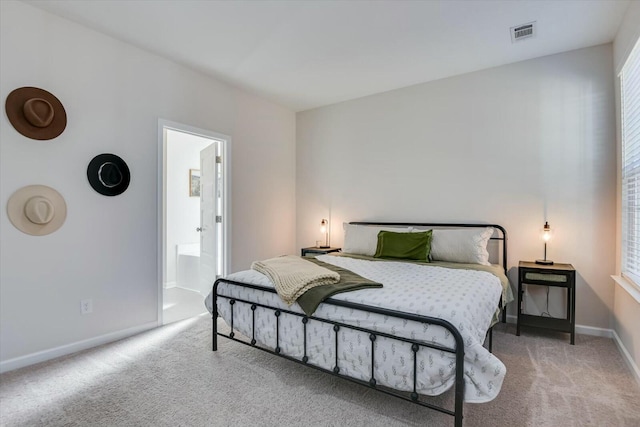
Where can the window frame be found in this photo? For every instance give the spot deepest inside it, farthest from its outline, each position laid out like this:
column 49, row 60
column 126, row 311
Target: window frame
column 632, row 62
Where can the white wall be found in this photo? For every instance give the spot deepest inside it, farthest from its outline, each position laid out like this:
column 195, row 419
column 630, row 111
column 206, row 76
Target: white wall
column 114, row 94
column 183, row 211
column 626, row 312
column 512, row 145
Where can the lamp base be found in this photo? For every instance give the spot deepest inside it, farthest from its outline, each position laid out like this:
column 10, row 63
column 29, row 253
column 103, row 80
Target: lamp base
column 544, row 262
column 324, row 247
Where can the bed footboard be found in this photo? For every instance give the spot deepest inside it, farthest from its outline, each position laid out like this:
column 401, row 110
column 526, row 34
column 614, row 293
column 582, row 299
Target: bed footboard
column 337, row 327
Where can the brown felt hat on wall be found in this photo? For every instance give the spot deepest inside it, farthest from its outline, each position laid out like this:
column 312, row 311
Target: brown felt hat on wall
column 37, row 210
column 36, row 113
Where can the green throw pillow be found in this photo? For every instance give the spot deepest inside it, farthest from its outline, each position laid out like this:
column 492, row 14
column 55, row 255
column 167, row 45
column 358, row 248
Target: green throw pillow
column 416, row 246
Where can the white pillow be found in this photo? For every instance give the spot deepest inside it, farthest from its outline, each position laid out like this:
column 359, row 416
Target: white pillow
column 363, row 239
column 461, row 245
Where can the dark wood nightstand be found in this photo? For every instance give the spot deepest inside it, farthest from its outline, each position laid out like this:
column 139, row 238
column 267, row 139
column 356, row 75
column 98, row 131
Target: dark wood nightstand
column 317, row 251
column 557, row 275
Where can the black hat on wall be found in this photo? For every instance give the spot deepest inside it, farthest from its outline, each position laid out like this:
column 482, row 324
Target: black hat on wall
column 108, row 174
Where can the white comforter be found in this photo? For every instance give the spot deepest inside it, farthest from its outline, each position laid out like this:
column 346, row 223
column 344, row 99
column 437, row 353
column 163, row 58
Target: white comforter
column 466, row 298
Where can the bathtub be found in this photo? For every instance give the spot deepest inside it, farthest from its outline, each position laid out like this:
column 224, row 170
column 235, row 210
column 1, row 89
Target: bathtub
column 188, row 266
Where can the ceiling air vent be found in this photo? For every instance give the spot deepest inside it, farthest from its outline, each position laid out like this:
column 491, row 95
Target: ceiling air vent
column 524, row 31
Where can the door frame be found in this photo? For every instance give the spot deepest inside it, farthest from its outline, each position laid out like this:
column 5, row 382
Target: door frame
column 225, row 144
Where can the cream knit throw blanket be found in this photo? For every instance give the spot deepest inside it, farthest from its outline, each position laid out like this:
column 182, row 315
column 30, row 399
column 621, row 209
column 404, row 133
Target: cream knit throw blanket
column 292, row 276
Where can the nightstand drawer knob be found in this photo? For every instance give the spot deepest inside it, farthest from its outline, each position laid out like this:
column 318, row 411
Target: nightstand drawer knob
column 558, row 278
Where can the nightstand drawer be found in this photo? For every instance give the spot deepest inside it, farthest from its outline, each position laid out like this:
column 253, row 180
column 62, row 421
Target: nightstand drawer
column 546, row 277
column 313, row 251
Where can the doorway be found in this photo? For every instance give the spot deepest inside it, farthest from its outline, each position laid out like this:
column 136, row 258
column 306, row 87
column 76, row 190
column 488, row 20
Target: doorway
column 193, row 217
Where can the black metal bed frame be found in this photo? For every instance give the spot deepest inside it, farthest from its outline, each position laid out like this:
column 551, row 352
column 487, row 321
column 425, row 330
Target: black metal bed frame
column 413, row 397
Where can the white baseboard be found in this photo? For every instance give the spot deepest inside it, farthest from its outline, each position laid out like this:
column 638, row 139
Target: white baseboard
column 593, row 331
column 42, row 356
column 626, row 356
column 168, row 285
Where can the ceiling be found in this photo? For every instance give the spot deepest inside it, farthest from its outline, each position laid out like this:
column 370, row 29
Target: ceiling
column 306, row 54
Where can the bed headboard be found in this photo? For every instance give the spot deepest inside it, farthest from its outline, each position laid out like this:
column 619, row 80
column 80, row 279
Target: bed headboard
column 499, row 235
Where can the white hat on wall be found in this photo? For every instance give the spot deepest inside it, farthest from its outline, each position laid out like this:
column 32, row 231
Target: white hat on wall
column 37, row 210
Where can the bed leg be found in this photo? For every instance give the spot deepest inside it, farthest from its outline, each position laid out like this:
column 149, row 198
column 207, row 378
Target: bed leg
column 214, row 317
column 504, row 314
column 214, row 335
column 459, row 392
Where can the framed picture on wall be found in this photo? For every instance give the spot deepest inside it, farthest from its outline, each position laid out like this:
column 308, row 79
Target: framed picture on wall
column 194, row 182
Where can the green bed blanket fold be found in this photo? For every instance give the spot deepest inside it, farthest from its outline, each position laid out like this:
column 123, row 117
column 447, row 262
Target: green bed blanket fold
column 349, row 281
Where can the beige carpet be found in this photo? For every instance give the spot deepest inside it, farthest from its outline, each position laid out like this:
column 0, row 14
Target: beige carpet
column 169, row 377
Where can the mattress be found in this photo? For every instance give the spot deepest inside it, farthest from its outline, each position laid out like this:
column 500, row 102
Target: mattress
column 466, row 298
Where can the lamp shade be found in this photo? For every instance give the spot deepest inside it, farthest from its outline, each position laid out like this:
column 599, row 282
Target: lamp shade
column 546, row 235
column 324, row 230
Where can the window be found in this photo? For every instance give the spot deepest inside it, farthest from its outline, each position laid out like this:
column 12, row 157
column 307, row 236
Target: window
column 630, row 97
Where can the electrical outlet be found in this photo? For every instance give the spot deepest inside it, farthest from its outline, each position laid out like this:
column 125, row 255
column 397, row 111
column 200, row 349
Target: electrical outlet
column 86, row 306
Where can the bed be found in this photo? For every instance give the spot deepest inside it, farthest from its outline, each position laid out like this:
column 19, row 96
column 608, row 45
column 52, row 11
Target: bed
column 419, row 335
